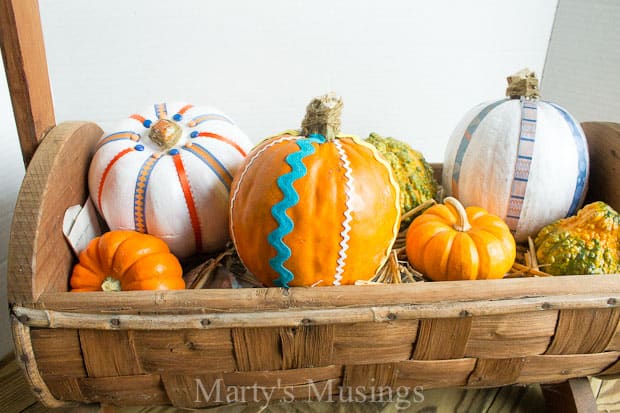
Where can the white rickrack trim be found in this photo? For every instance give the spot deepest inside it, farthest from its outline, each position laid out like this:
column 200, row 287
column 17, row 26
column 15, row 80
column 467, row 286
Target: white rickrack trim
column 346, row 224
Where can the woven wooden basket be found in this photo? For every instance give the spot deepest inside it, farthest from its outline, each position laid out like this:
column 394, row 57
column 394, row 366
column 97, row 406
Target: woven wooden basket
column 135, row 348
column 154, row 348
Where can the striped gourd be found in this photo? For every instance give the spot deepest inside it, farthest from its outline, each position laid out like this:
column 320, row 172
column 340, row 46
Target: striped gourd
column 167, row 172
column 521, row 158
column 314, row 207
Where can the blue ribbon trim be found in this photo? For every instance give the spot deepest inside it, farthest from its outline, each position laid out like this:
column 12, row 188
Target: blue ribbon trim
column 290, row 199
column 582, row 150
column 467, row 137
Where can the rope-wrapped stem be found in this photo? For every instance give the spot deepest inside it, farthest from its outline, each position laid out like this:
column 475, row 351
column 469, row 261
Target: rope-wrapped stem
column 323, row 116
column 524, row 83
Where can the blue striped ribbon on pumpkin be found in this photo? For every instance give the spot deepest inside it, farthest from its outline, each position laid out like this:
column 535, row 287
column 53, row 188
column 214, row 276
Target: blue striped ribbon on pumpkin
column 214, row 164
column 582, row 162
column 523, row 162
column 118, row 136
column 467, row 136
column 139, row 198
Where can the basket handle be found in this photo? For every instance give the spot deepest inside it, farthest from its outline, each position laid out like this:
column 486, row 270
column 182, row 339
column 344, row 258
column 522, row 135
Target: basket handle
column 23, row 51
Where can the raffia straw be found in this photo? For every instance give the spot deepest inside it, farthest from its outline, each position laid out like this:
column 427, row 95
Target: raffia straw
column 532, row 253
column 531, row 267
column 529, row 270
column 394, row 271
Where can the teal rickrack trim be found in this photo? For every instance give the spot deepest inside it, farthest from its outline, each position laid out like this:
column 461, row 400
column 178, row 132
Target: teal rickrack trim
column 291, row 198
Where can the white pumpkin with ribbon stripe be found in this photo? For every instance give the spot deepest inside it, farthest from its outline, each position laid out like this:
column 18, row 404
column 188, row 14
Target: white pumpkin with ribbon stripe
column 521, row 158
column 167, row 171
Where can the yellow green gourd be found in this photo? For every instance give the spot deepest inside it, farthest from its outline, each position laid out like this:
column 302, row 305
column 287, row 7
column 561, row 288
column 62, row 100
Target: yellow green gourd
column 586, row 243
column 413, row 174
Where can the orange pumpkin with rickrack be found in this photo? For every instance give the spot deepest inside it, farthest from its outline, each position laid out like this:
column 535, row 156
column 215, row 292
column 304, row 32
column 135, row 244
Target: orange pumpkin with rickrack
column 450, row 242
column 314, row 207
column 126, row 260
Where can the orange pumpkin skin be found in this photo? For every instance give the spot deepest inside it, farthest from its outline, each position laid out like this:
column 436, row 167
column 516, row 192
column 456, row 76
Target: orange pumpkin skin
column 345, row 177
column 124, row 261
column 438, row 247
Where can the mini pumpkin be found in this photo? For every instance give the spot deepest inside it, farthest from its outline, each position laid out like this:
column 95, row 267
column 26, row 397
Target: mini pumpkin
column 124, row 261
column 521, row 158
column 314, row 207
column 449, row 242
column 414, row 175
column 167, row 172
column 587, row 243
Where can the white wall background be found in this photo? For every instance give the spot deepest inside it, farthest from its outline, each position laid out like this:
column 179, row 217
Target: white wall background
column 404, row 68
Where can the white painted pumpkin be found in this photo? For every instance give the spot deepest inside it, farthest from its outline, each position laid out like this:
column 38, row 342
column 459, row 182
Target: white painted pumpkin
column 522, row 159
column 167, row 171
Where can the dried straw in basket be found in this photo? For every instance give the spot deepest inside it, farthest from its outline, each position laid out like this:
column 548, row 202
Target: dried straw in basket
column 222, row 271
column 226, row 270
column 526, row 263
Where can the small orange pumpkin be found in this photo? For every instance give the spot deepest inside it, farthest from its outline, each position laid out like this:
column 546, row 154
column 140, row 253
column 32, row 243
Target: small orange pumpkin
column 127, row 260
column 448, row 242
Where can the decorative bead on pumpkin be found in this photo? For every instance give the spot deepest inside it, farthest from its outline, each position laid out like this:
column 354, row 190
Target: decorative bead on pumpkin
column 124, row 261
column 414, row 175
column 448, row 242
column 521, row 158
column 587, row 243
column 167, row 172
column 314, row 207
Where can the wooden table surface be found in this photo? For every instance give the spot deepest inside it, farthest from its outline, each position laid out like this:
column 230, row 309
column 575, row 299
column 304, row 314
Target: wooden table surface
column 15, row 396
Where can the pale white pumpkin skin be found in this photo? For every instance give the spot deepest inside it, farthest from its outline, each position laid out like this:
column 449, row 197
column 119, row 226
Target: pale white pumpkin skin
column 558, row 169
column 187, row 186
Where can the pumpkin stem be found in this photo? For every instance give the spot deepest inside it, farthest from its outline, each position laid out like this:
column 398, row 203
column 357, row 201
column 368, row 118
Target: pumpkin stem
column 165, row 133
column 111, row 284
column 462, row 223
column 323, row 116
column 524, row 83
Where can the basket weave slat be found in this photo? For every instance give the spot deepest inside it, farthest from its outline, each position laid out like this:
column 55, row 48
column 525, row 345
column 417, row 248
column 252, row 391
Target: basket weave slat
column 614, row 343
column 496, row 372
column 182, row 389
column 431, row 374
column 444, row 338
column 139, row 390
column 368, row 376
column 291, row 377
column 374, row 342
column 569, row 338
column 307, row 346
column 108, row 353
column 66, row 388
column 552, row 369
column 58, row 352
column 257, row 349
column 496, row 335
column 184, row 351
